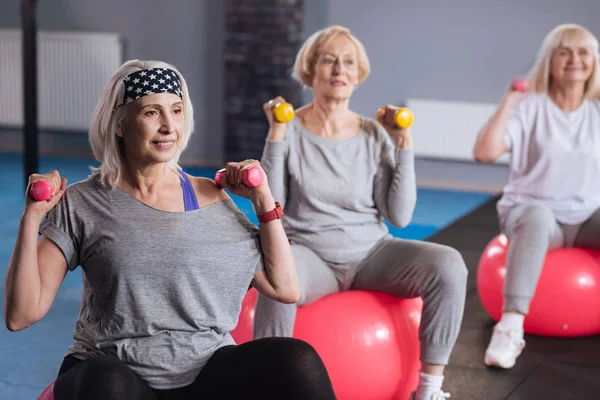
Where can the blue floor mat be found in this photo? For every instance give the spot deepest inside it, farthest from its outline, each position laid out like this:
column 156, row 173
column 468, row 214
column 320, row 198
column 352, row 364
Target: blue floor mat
column 30, row 359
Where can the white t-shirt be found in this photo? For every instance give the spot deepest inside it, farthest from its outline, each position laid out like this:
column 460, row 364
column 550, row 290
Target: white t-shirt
column 555, row 158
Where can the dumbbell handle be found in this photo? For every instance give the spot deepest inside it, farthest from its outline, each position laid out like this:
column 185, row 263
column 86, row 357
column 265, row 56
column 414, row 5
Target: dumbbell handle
column 252, row 177
column 403, row 117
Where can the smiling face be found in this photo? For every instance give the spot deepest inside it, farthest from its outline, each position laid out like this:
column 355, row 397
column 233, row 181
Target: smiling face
column 153, row 130
column 572, row 63
column 336, row 71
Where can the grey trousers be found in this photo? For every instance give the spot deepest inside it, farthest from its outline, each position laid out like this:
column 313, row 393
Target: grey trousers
column 532, row 230
column 403, row 268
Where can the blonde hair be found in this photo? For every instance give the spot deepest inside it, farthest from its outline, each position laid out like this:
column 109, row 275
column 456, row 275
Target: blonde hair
column 304, row 66
column 106, row 145
column 563, row 35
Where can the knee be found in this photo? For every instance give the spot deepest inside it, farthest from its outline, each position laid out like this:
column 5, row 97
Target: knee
column 536, row 216
column 449, row 268
column 301, row 372
column 300, row 351
column 108, row 375
column 299, row 358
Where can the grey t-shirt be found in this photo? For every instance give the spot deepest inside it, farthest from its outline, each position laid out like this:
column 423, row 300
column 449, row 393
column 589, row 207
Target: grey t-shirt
column 336, row 193
column 161, row 290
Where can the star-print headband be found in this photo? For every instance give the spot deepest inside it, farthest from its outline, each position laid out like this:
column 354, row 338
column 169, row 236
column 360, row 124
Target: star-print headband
column 150, row 81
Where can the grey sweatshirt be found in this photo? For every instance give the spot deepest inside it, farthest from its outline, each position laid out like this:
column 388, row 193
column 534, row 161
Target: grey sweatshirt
column 336, row 193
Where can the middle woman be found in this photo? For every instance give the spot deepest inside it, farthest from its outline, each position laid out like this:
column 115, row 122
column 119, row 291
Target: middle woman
column 341, row 175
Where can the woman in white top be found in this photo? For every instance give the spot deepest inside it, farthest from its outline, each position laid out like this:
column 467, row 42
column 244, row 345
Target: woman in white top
column 552, row 199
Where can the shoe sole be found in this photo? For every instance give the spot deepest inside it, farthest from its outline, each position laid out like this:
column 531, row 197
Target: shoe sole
column 492, row 362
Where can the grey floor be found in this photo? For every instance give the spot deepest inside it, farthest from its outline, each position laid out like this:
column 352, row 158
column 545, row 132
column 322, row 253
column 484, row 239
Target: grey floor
column 549, row 368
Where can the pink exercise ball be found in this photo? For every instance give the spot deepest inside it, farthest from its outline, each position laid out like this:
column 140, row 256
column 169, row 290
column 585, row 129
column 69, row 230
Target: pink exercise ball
column 368, row 341
column 567, row 299
column 48, row 393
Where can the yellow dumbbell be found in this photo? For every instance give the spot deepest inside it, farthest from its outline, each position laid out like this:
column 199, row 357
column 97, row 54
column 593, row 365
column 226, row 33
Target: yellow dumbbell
column 403, row 117
column 283, row 112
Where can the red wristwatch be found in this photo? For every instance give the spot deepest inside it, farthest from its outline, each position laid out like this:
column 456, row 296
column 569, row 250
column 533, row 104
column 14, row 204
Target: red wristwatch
column 269, row 216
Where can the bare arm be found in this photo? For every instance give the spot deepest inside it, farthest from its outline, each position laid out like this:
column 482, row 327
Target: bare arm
column 35, row 270
column 489, row 144
column 278, row 279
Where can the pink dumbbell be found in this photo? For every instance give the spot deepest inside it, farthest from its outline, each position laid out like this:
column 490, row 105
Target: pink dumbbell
column 40, row 191
column 252, row 177
column 520, row 84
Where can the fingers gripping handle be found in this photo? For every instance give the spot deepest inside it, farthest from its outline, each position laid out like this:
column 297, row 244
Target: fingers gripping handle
column 252, row 177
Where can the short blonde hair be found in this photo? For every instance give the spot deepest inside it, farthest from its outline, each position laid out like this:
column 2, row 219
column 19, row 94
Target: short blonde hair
column 106, row 145
column 304, row 66
column 566, row 34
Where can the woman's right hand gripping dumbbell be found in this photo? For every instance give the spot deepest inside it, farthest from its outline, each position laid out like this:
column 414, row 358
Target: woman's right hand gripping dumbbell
column 44, row 191
column 279, row 113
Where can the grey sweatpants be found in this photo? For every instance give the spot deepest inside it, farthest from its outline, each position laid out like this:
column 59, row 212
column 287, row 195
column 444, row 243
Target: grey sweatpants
column 403, row 268
column 532, row 230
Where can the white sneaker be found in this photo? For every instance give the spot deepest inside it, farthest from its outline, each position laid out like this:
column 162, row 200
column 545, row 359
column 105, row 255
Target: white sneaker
column 504, row 348
column 439, row 395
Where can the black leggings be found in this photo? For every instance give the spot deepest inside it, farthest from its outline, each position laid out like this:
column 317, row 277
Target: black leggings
column 272, row 368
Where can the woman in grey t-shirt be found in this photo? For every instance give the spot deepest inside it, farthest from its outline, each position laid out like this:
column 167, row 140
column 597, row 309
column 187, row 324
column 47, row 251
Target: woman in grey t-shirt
column 341, row 174
column 167, row 259
column 552, row 198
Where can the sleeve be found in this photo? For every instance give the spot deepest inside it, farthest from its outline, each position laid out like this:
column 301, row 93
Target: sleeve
column 60, row 226
column 260, row 263
column 395, row 187
column 246, row 236
column 274, row 163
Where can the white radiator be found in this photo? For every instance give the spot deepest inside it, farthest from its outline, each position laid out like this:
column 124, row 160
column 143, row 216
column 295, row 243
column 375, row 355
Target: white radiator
column 73, row 68
column 448, row 129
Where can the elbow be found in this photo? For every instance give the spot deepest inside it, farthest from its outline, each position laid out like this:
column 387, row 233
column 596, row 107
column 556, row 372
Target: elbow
column 14, row 325
column 481, row 158
column 289, row 299
column 401, row 220
column 401, row 223
column 11, row 326
column 289, row 296
column 484, row 156
column 484, row 160
column 15, row 322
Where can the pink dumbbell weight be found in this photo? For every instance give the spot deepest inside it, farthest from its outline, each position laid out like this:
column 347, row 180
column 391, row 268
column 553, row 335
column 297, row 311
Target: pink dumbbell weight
column 40, row 191
column 252, row 177
column 520, row 84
